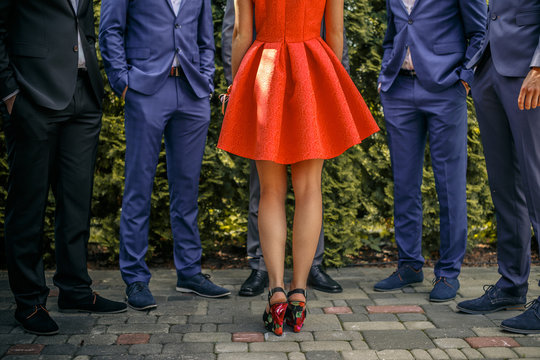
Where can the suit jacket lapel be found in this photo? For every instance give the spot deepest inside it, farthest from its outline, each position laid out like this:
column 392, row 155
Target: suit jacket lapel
column 405, row 7
column 170, row 6
column 182, row 6
column 415, row 6
column 79, row 5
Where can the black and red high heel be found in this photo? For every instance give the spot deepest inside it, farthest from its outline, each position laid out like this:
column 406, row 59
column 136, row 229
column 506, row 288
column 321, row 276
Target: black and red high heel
column 273, row 318
column 296, row 311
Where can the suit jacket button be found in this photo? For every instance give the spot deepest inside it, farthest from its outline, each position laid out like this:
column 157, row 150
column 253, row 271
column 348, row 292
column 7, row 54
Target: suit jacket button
column 410, row 21
column 177, row 26
column 75, row 48
column 494, row 17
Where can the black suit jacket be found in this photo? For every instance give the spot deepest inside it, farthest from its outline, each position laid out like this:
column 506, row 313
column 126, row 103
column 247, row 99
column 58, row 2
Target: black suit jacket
column 39, row 52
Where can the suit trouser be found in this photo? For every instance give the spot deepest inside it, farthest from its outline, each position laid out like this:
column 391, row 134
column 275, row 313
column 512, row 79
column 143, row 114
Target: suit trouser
column 254, row 250
column 50, row 149
column 413, row 114
column 173, row 112
column 511, row 140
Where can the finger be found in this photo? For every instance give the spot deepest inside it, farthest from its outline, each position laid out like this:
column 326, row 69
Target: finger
column 521, row 98
column 528, row 99
column 535, row 101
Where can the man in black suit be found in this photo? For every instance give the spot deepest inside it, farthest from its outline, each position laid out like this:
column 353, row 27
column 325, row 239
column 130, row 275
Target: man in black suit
column 52, row 89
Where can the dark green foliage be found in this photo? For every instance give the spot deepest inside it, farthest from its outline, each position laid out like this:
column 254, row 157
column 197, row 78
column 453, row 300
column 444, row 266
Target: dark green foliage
column 357, row 186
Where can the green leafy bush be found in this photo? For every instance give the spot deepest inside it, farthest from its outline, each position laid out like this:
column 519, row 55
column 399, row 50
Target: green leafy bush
column 357, row 186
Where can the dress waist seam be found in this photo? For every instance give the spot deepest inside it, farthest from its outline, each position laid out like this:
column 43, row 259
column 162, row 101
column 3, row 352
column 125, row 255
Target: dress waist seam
column 273, row 41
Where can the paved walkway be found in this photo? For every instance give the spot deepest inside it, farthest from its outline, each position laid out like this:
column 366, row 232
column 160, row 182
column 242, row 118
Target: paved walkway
column 357, row 324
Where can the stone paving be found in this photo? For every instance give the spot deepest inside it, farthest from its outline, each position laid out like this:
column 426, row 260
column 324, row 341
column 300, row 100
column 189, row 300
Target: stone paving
column 356, row 324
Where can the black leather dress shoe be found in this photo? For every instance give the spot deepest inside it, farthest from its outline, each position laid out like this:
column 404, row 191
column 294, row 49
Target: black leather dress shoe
column 254, row 284
column 320, row 280
column 92, row 304
column 36, row 320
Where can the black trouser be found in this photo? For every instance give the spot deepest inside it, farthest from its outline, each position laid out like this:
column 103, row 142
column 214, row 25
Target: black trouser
column 57, row 149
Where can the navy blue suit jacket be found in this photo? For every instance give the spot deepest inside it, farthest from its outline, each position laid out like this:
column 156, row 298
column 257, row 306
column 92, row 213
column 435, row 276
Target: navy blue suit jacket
column 442, row 35
column 138, row 43
column 513, row 36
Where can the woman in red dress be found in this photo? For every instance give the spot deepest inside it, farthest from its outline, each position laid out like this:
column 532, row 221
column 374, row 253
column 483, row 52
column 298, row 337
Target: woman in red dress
column 291, row 102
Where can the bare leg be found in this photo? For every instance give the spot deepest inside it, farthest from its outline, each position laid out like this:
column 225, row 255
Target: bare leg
column 272, row 222
column 306, row 180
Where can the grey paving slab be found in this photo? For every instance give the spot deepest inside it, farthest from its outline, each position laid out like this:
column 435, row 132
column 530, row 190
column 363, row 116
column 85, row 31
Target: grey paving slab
column 96, row 350
column 62, row 349
column 145, row 349
column 323, row 355
column 397, row 339
column 449, row 333
column 250, row 356
column 199, row 356
column 188, row 348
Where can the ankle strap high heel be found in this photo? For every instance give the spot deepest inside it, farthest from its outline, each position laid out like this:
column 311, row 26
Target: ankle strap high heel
column 296, row 310
column 273, row 317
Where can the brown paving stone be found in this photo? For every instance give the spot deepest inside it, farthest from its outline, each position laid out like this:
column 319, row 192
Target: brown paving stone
column 337, row 310
column 393, row 309
column 25, row 349
column 132, row 339
column 491, row 341
column 248, row 337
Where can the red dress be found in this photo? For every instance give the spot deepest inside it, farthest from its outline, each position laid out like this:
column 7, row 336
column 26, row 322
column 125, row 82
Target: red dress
column 291, row 99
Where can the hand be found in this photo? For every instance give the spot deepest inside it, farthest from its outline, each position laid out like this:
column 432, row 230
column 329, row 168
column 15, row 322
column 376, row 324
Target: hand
column 9, row 103
column 124, row 93
column 467, row 87
column 529, row 96
column 379, row 88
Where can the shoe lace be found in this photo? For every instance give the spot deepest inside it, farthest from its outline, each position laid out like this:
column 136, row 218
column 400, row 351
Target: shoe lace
column 487, row 289
column 36, row 309
column 436, row 280
column 532, row 304
column 137, row 287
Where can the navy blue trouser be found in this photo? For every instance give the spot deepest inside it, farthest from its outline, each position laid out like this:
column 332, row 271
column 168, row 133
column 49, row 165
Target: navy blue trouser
column 175, row 113
column 511, row 140
column 413, row 115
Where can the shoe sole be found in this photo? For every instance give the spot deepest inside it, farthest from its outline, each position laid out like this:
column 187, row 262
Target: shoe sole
column 249, row 294
column 441, row 300
column 328, row 291
column 520, row 331
column 42, row 333
column 147, row 307
column 186, row 290
column 475, row 312
column 399, row 288
column 74, row 311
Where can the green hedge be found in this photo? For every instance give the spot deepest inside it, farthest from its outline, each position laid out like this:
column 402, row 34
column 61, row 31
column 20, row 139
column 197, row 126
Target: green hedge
column 357, row 185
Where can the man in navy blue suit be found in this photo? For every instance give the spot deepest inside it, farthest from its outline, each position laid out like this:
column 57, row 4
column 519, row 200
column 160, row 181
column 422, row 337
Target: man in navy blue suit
column 423, row 85
column 160, row 58
column 507, row 100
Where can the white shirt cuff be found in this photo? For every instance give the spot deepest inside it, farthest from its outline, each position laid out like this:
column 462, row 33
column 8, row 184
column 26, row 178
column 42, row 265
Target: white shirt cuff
column 11, row 95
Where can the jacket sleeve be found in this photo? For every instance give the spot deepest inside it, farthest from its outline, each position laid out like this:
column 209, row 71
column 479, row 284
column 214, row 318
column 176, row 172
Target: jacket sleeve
column 345, row 58
column 226, row 40
column 474, row 15
column 536, row 57
column 111, row 42
column 8, row 83
column 388, row 42
column 205, row 40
